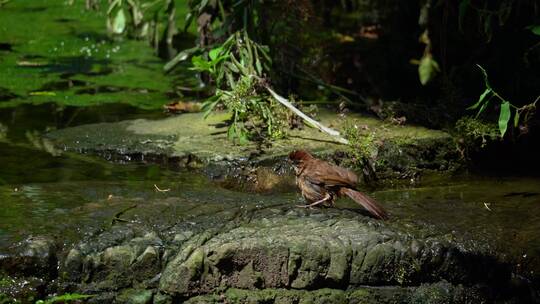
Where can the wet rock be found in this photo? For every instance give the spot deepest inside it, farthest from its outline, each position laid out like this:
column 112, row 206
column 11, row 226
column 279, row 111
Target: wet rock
column 26, row 270
column 73, row 265
column 177, row 249
column 160, row 298
column 147, row 265
column 312, row 251
column 33, row 257
column 257, row 253
column 444, row 292
column 134, row 262
column 102, row 297
column 26, row 290
column 428, row 293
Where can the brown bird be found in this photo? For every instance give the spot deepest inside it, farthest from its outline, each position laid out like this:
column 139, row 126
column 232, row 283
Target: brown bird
column 321, row 183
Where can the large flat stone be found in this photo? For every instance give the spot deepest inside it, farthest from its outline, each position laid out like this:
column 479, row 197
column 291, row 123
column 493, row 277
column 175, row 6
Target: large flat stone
column 254, row 250
column 190, row 140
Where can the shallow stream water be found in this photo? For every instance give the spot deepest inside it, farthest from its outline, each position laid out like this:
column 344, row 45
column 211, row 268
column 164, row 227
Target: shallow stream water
column 44, row 191
column 54, row 60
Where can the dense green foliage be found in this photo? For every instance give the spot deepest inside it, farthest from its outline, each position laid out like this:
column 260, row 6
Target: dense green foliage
column 238, row 68
column 414, row 58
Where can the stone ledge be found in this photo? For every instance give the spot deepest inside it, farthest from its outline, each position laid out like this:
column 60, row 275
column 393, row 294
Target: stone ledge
column 188, row 140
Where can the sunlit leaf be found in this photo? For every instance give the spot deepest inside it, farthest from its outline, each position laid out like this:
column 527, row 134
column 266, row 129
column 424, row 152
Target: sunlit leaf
column 199, row 64
column 214, row 53
column 516, row 119
column 119, row 23
column 504, row 117
column 112, row 5
column 428, row 69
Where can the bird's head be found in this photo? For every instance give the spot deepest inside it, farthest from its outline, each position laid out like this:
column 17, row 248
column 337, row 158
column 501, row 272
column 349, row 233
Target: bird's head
column 298, row 157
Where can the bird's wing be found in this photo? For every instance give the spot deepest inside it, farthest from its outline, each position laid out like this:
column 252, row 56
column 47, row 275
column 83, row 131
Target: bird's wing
column 322, row 173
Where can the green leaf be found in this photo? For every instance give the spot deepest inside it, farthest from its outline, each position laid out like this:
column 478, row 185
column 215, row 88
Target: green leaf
column 232, row 67
column 258, row 65
column 230, row 80
column 112, row 6
column 483, row 107
column 119, row 23
column 182, row 56
column 199, row 64
column 243, row 138
column 209, row 104
column 516, row 119
column 535, row 29
column 188, row 20
column 428, row 69
column 504, row 117
column 484, row 73
column 265, row 50
column 480, row 100
column 214, row 53
column 231, row 132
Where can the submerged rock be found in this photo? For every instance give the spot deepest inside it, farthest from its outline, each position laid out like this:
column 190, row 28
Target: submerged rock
column 33, row 257
column 26, row 269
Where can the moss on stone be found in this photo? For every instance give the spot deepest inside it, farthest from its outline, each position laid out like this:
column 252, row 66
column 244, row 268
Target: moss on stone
column 189, row 140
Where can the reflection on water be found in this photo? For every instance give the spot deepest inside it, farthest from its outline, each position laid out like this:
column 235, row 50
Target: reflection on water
column 44, row 192
column 503, row 212
column 40, row 186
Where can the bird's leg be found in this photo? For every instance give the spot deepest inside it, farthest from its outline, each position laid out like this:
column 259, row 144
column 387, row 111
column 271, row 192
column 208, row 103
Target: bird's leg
column 327, row 197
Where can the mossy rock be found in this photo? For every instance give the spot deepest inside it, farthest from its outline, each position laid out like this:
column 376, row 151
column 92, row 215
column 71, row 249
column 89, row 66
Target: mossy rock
column 192, row 141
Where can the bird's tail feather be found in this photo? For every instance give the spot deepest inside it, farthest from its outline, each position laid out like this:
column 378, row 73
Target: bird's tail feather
column 366, row 202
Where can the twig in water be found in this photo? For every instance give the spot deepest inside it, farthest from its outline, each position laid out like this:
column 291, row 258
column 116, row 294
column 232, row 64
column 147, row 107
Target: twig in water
column 161, row 190
column 117, row 218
